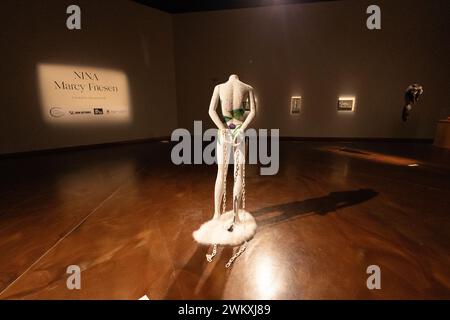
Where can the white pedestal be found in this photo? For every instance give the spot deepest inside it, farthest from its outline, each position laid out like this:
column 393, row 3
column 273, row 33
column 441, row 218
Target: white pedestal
column 215, row 231
column 442, row 136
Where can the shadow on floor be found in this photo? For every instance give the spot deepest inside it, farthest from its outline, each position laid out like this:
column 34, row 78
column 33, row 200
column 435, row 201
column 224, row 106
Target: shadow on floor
column 188, row 278
column 322, row 205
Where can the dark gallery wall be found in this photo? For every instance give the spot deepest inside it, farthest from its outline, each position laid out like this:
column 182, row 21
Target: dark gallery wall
column 320, row 51
column 119, row 35
column 172, row 62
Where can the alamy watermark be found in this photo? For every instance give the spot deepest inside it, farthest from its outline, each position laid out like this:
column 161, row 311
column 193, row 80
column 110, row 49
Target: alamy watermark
column 258, row 147
column 74, row 279
column 373, row 21
column 374, row 280
column 73, row 22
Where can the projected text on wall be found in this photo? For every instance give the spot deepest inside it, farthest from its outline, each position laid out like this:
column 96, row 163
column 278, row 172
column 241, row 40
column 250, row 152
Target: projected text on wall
column 78, row 94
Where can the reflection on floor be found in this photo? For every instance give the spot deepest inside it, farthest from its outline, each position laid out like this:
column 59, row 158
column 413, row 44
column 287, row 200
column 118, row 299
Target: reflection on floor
column 125, row 216
column 373, row 156
column 387, row 158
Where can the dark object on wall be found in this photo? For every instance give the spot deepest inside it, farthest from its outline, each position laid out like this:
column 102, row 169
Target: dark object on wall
column 412, row 95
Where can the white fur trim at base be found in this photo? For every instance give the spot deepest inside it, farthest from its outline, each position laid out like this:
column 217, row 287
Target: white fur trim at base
column 215, row 231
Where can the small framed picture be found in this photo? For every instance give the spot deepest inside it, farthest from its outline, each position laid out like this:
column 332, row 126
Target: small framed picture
column 296, row 103
column 346, row 103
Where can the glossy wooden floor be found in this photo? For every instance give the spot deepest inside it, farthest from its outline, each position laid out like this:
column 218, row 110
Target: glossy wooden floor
column 125, row 215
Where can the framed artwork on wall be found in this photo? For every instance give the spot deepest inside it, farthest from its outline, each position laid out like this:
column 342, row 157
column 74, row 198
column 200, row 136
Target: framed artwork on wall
column 346, row 104
column 296, row 102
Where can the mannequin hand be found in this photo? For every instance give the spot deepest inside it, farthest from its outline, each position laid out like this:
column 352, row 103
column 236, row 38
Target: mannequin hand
column 236, row 134
column 223, row 130
column 231, row 136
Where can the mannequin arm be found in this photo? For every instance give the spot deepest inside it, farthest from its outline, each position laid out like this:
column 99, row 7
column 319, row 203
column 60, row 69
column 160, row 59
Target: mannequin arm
column 252, row 113
column 212, row 109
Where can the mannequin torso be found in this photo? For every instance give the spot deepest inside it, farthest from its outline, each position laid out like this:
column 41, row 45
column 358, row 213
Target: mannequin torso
column 232, row 95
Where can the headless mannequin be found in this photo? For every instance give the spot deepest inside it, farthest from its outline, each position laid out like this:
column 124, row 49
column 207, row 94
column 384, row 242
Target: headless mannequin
column 231, row 94
column 237, row 226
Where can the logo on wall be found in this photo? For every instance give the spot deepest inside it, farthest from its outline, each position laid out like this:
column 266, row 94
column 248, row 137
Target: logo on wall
column 98, row 110
column 56, row 112
column 120, row 111
column 77, row 112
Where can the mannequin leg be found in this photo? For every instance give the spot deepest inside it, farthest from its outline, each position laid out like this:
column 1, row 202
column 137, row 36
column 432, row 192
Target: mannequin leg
column 239, row 162
column 221, row 173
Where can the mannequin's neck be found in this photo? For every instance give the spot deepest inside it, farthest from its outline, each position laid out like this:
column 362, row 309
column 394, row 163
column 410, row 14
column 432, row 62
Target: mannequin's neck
column 233, row 77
